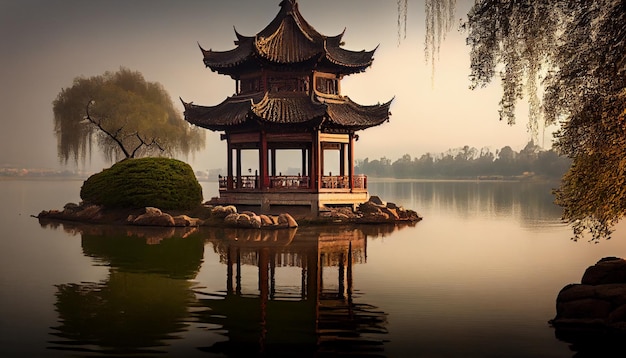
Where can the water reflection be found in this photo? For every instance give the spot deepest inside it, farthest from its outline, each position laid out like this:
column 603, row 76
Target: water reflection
column 144, row 300
column 532, row 204
column 304, row 300
column 313, row 319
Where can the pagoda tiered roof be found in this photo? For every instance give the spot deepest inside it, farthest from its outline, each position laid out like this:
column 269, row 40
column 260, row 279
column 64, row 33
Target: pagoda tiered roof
column 297, row 110
column 288, row 39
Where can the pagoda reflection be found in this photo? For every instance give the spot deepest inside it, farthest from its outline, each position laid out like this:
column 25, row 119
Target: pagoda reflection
column 317, row 319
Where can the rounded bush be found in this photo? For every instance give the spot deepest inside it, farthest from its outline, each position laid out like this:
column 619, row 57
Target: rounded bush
column 135, row 183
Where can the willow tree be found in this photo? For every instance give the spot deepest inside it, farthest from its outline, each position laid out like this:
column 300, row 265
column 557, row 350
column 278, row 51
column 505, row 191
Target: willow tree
column 124, row 115
column 568, row 60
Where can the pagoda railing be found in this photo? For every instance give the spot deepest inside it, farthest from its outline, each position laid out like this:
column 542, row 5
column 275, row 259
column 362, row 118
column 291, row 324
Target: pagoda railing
column 343, row 182
column 293, row 182
column 289, row 182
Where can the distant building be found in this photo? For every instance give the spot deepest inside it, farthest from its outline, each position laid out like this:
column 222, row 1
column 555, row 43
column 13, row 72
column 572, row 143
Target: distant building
column 288, row 97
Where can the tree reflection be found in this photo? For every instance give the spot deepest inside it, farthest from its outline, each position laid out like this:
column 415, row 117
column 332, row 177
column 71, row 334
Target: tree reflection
column 143, row 302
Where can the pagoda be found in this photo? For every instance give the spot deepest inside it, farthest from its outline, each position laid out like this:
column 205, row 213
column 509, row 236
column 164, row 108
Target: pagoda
column 288, row 97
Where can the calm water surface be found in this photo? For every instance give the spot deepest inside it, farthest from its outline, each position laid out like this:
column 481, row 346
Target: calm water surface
column 478, row 277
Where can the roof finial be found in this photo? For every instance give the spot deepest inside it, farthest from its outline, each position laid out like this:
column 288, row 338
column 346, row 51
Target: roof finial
column 289, row 5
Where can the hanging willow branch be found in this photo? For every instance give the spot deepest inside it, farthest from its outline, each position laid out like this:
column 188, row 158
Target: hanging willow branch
column 439, row 21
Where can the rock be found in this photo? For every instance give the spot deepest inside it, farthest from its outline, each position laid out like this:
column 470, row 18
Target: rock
column 595, row 308
column 154, row 219
column 221, row 212
column 184, row 220
column 231, row 219
column 243, row 220
column 607, row 270
column 89, row 213
column 375, row 217
column 286, row 220
column 265, row 220
column 369, row 207
column 391, row 213
column 255, row 222
column 375, row 200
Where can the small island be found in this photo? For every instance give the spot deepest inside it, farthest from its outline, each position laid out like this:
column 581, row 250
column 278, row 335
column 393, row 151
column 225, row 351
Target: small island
column 165, row 192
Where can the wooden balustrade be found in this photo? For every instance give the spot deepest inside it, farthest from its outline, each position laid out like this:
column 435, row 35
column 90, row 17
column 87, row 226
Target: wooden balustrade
column 294, row 182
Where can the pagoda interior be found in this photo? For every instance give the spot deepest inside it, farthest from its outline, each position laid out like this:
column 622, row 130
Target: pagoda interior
column 288, row 97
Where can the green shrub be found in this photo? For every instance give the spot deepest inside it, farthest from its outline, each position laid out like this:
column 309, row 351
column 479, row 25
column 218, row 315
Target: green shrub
column 135, row 183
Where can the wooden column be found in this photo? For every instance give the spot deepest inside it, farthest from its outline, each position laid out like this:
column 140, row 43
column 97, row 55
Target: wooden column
column 351, row 161
column 303, row 172
column 316, row 156
column 238, row 167
column 229, row 165
column 342, row 159
column 263, row 162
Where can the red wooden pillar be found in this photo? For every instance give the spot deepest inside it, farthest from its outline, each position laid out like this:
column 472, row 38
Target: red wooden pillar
column 263, row 162
column 315, row 161
column 229, row 165
column 342, row 159
column 351, row 160
column 238, row 167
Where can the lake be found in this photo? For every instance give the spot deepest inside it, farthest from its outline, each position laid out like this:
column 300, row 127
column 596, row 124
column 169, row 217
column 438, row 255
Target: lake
column 477, row 277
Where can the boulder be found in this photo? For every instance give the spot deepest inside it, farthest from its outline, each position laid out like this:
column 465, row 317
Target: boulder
column 594, row 312
column 391, row 213
column 221, row 212
column 255, row 222
column 231, row 219
column 184, row 220
column 265, row 220
column 375, row 200
column 243, row 221
column 153, row 219
column 88, row 213
column 286, row 220
column 607, row 270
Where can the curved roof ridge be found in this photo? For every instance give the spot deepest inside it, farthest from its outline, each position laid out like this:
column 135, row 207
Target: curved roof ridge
column 289, row 8
column 287, row 44
column 356, row 116
column 241, row 37
column 348, row 58
column 228, row 58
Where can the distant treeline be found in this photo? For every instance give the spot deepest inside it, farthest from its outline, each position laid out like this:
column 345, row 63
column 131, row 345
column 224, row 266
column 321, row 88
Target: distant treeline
column 470, row 163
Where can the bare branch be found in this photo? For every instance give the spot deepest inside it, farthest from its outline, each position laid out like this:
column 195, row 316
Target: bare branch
column 98, row 124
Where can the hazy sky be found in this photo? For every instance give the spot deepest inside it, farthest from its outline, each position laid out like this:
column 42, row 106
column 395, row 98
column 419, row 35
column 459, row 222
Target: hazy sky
column 46, row 44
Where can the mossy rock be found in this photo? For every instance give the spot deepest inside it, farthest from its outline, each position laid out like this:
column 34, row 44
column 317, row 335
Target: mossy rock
column 135, row 183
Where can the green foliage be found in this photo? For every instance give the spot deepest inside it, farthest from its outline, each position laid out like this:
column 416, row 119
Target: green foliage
column 569, row 59
column 128, row 117
column 135, row 183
